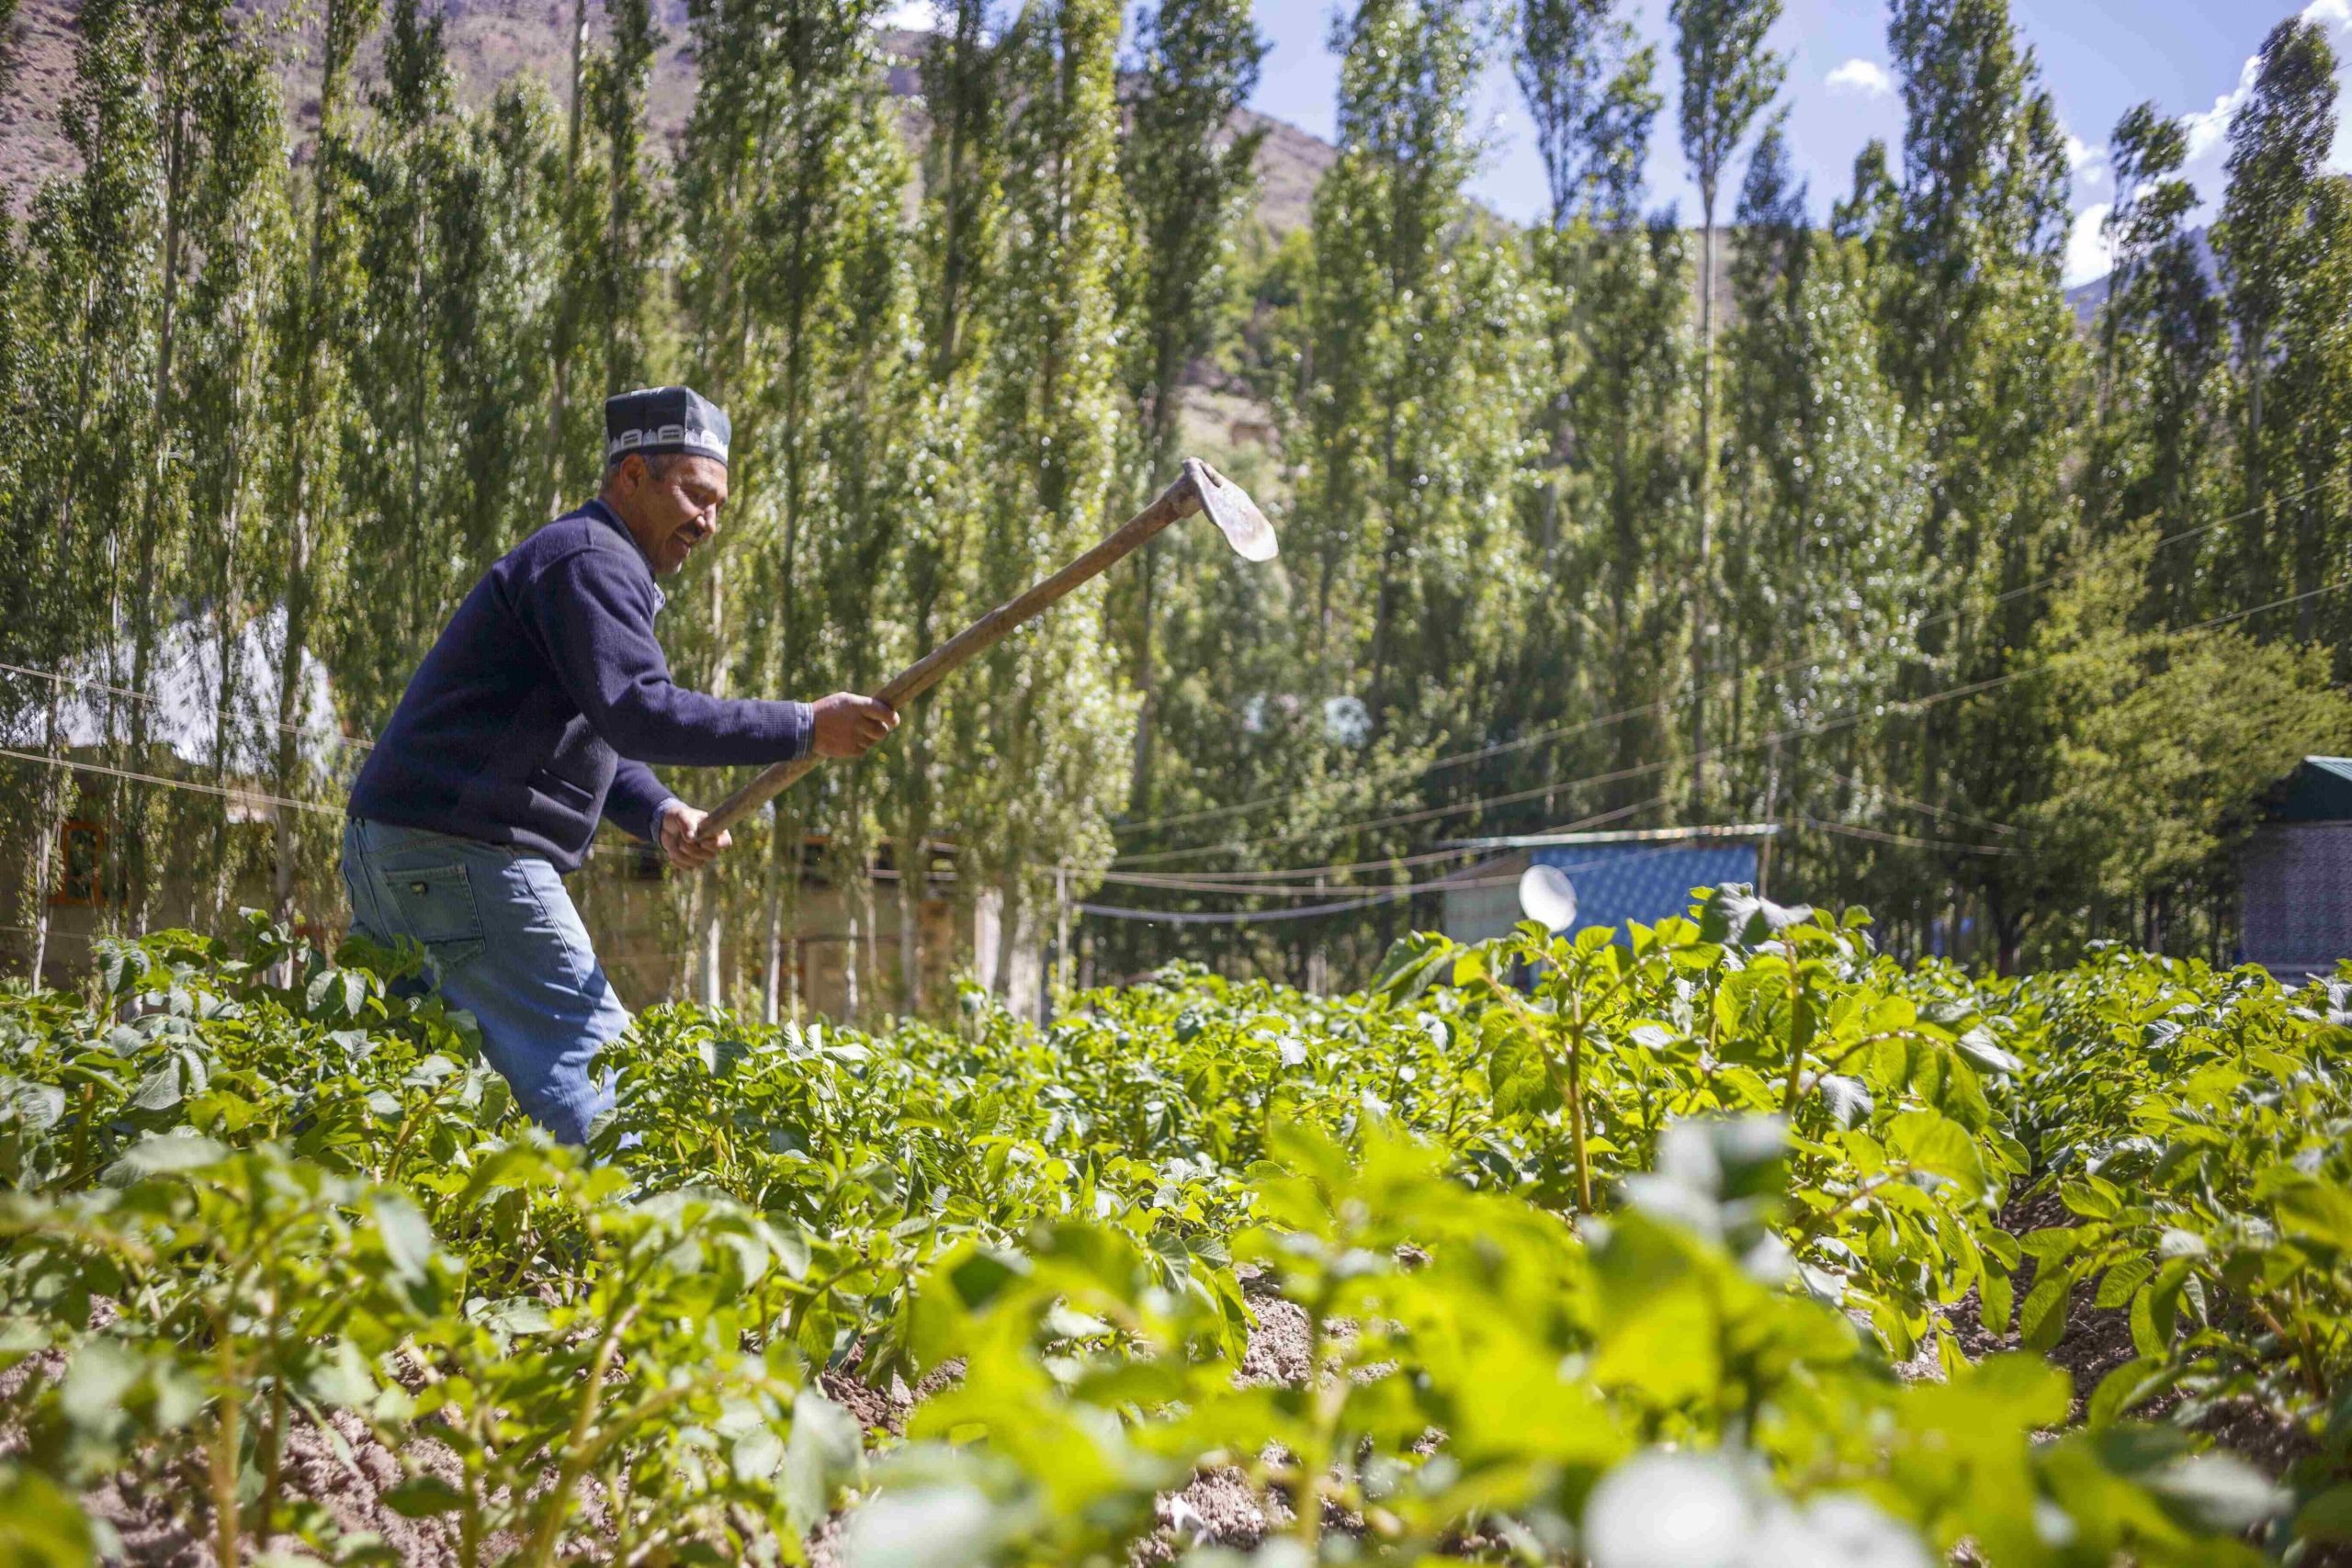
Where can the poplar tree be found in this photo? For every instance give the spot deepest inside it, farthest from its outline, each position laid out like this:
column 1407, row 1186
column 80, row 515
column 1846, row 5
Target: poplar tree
column 2162, row 342
column 213, row 146
column 934, row 565
column 1728, row 77
column 88, row 272
column 2279, row 139
column 1053, row 717
column 1621, row 427
column 2282, row 228
column 459, row 223
column 1187, row 176
column 1983, row 349
column 319, row 297
column 233, row 445
column 1825, row 493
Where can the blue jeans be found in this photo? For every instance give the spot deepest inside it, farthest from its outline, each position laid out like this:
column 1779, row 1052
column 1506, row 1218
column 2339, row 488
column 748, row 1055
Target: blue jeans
column 506, row 945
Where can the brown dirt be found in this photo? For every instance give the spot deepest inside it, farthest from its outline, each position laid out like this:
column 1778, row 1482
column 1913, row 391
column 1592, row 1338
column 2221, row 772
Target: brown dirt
column 2095, row 1339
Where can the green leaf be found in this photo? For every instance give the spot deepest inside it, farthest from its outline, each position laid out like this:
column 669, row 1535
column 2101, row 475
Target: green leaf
column 2218, row 1492
column 824, row 1452
column 167, row 1155
column 407, row 1238
column 1995, row 1299
column 756, row 1454
column 2131, row 1384
column 2044, row 1319
column 424, row 1496
column 1978, row 1045
column 2316, row 1211
column 2082, row 1198
column 2327, row 1517
column 2122, row 1281
column 41, row 1525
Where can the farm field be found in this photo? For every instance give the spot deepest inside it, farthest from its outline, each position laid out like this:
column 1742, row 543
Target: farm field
column 1735, row 1243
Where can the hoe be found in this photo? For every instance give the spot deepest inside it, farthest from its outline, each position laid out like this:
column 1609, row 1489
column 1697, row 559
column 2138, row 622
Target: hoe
column 1199, row 489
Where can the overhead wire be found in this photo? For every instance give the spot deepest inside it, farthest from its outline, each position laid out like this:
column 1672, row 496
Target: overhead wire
column 1920, row 806
column 1875, row 835
column 1856, row 715
column 1664, row 704
column 61, row 677
column 1261, row 917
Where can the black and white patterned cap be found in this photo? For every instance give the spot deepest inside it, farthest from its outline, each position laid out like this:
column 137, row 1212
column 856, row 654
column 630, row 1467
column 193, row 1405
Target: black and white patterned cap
column 657, row 419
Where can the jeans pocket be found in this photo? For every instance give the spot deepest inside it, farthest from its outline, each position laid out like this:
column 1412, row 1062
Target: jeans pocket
column 437, row 906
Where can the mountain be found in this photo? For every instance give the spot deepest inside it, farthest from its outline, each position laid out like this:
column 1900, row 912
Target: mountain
column 493, row 41
column 2086, row 298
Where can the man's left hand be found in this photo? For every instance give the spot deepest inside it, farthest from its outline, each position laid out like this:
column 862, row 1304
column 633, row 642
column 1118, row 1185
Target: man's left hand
column 687, row 852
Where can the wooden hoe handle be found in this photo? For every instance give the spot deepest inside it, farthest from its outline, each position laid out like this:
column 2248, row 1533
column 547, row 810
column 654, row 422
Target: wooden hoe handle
column 1179, row 501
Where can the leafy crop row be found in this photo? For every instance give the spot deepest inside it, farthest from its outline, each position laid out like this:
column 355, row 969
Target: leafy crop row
column 1656, row 1250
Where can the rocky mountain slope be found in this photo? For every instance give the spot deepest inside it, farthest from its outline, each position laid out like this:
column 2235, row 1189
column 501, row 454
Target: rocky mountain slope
column 493, row 41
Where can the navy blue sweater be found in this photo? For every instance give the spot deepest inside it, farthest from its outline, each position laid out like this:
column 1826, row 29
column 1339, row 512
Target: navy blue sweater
column 544, row 698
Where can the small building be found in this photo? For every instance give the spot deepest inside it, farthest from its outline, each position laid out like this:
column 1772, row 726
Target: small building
column 2295, row 877
column 211, row 734
column 1645, row 874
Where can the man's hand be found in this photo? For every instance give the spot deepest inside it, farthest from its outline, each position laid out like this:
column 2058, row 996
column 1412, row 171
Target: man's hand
column 851, row 725
column 687, row 852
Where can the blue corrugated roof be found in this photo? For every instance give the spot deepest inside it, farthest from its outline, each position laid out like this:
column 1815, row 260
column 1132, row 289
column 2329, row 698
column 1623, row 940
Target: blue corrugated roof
column 1645, row 882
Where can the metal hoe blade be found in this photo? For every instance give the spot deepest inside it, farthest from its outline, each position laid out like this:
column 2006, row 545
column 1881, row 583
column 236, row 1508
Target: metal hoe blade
column 1236, row 516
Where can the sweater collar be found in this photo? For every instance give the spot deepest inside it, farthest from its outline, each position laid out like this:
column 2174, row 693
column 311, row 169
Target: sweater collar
column 612, row 519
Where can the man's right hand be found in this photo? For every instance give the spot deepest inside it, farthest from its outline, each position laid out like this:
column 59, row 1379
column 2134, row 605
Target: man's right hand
column 851, row 725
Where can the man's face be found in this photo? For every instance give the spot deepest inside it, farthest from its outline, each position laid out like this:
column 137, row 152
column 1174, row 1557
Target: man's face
column 671, row 515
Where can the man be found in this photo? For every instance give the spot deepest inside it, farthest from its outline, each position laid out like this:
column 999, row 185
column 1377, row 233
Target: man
column 535, row 713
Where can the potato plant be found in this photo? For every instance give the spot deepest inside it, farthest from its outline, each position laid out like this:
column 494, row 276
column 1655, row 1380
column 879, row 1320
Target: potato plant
column 1634, row 1247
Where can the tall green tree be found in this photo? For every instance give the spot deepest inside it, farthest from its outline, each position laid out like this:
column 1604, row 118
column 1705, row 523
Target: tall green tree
column 1187, row 176
column 1981, row 345
column 934, row 565
column 89, row 273
column 1728, row 76
column 2268, row 237
column 1617, row 428
column 319, row 299
column 1054, row 716
column 2163, row 346
column 458, row 225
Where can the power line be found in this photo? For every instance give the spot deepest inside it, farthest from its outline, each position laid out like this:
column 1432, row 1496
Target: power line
column 1428, row 814
column 1664, row 703
column 1878, row 836
column 1200, row 881
column 197, row 785
column 1920, row 806
column 59, row 677
column 1258, row 916
column 1857, row 715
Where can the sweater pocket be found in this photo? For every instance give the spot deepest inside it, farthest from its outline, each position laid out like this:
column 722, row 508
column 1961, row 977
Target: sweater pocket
column 563, row 791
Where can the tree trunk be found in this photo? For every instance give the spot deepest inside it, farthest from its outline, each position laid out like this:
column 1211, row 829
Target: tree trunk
column 1702, row 608
column 1146, row 687
column 55, row 783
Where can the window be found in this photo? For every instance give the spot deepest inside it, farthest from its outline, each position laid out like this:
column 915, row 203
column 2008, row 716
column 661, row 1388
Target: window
column 82, row 863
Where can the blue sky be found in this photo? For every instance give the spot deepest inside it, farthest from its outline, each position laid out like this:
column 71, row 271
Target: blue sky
column 2098, row 57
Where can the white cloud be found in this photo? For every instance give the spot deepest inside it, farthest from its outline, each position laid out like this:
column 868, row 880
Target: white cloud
column 2207, row 127
column 909, row 15
column 1864, row 76
column 2088, row 252
column 2089, row 164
